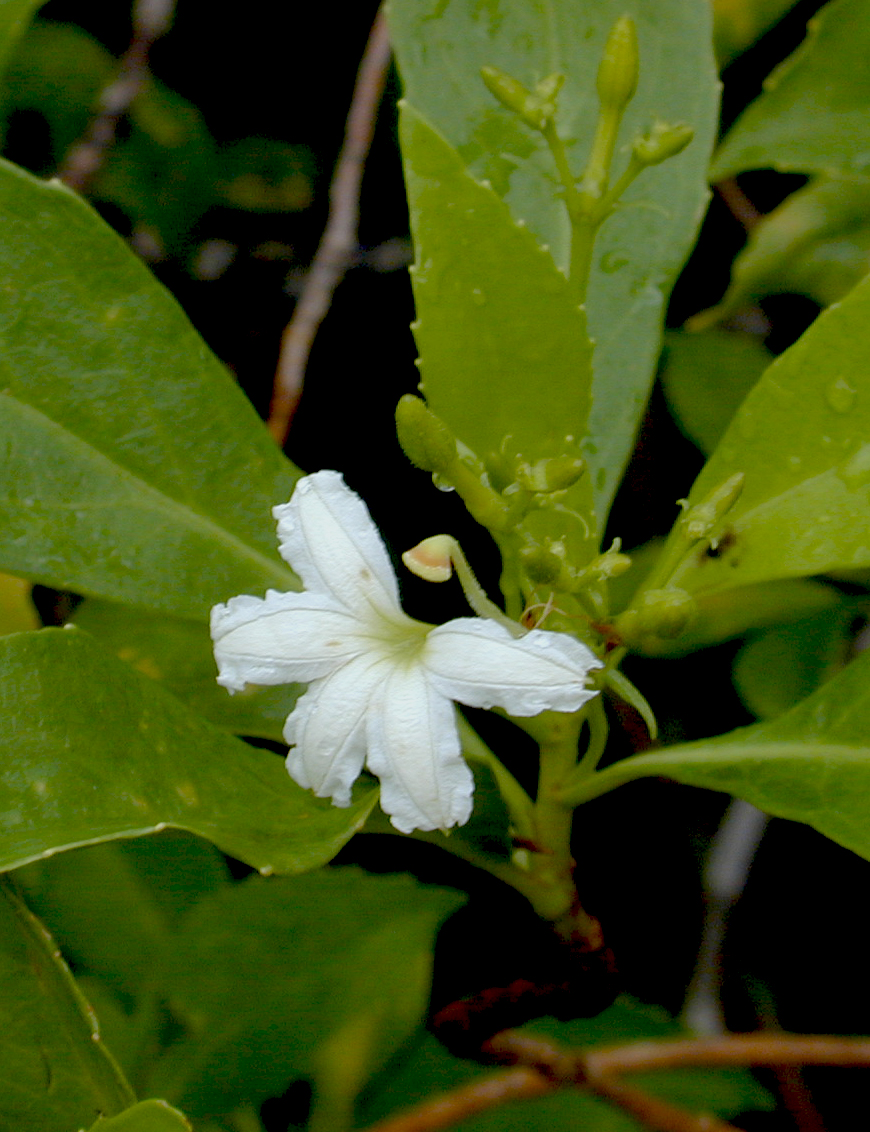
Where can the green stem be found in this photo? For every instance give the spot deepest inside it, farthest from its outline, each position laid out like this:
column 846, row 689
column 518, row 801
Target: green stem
column 599, row 729
column 518, row 803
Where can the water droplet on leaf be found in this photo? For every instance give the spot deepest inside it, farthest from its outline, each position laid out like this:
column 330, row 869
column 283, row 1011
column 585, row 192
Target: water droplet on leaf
column 840, row 395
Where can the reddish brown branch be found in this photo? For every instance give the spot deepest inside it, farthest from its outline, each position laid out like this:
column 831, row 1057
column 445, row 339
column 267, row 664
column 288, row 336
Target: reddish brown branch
column 339, row 241
column 151, row 19
column 477, row 1096
column 541, row 1066
column 738, row 203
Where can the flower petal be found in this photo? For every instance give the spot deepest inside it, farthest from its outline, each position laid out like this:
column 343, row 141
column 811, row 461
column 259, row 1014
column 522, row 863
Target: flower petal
column 286, row 637
column 327, row 535
column 480, row 664
column 413, row 747
column 326, row 730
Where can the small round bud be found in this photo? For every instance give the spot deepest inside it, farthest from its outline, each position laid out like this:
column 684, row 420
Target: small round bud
column 536, row 108
column 431, row 559
column 663, row 141
column 554, row 473
column 618, row 70
column 425, row 439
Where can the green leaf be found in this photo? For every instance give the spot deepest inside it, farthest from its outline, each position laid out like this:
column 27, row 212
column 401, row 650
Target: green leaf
column 503, row 346
column 705, row 377
column 810, row 765
column 179, row 655
column 111, row 906
column 95, row 752
column 320, row 976
column 817, row 243
column 440, row 49
column 740, row 23
column 15, row 15
column 801, row 439
column 430, row 1070
column 147, row 1116
column 813, row 115
column 777, row 669
column 55, row 1073
column 135, row 468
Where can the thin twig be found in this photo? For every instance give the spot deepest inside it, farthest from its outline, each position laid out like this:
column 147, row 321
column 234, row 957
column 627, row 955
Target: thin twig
column 762, row 1049
column 339, row 242
column 151, row 20
column 485, row 1093
column 738, row 203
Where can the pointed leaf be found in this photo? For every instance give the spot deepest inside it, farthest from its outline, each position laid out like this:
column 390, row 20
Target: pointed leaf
column 810, row 765
column 94, row 752
column 440, row 49
column 135, row 467
column 801, row 439
column 55, row 1073
column 813, row 115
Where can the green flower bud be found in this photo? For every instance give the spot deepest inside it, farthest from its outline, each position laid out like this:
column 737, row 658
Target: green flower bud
column 660, row 613
column 554, row 473
column 699, row 521
column 536, row 108
column 618, row 70
column 425, row 439
column 663, row 141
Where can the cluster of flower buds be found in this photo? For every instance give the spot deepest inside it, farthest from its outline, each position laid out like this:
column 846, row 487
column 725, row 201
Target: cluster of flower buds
column 498, row 494
column 537, row 108
column 548, row 566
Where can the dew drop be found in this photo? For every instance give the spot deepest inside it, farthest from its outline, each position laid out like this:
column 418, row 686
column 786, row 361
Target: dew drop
column 794, row 463
column 855, row 472
column 441, row 483
column 840, row 395
column 478, row 297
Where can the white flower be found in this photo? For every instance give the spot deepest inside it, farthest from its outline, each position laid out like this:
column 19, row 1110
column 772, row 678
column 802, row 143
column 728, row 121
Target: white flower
column 381, row 684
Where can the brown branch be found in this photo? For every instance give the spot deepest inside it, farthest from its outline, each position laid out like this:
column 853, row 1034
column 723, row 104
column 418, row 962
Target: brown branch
column 738, row 203
column 339, row 241
column 151, row 19
column 763, row 1049
column 450, row 1108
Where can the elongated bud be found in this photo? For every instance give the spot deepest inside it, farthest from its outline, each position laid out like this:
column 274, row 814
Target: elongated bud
column 618, row 70
column 425, row 439
column 660, row 613
column 699, row 521
column 663, row 141
column 536, row 108
column 431, row 558
column 554, row 473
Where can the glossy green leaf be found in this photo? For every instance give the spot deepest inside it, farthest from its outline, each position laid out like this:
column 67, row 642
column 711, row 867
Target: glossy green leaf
column 814, row 114
column 810, row 765
column 817, row 243
column 320, row 977
column 801, row 439
column 179, row 655
column 503, row 348
column 147, row 1116
column 55, row 1073
column 135, row 469
column 440, row 48
column 430, row 1069
column 705, row 377
column 94, row 752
